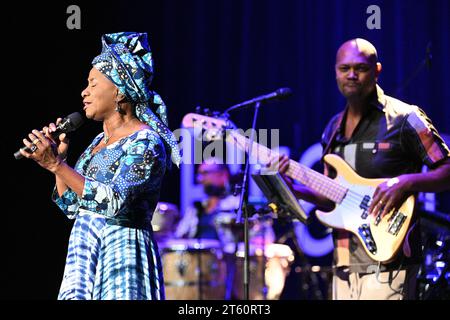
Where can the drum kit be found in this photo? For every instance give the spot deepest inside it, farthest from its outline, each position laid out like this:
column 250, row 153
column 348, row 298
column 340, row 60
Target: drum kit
column 209, row 269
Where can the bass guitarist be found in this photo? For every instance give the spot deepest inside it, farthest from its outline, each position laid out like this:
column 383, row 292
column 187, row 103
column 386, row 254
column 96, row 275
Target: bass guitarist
column 379, row 137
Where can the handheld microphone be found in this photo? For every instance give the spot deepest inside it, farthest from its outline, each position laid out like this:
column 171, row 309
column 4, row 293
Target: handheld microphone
column 70, row 123
column 276, row 95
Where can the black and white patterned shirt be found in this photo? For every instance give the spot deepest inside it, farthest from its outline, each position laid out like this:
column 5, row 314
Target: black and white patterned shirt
column 391, row 139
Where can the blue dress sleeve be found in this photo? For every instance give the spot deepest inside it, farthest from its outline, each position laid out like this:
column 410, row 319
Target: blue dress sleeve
column 132, row 175
column 68, row 202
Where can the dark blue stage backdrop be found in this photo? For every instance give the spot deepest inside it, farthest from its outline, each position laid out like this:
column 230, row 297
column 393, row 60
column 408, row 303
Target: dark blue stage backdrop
column 209, row 53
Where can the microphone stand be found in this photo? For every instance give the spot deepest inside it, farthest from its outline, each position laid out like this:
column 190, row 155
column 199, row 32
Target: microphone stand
column 243, row 205
column 243, row 201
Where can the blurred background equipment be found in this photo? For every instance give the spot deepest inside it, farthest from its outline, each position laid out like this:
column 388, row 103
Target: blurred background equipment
column 434, row 274
column 269, row 265
column 164, row 220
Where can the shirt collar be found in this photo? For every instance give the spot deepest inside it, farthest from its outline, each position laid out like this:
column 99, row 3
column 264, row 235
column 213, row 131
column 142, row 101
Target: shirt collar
column 380, row 100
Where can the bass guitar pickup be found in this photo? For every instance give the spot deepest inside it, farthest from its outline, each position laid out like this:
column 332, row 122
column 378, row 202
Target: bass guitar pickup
column 396, row 223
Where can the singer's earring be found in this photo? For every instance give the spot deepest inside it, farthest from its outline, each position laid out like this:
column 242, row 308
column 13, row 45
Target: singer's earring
column 118, row 108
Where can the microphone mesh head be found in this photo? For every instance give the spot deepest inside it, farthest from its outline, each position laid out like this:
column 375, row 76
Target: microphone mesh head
column 76, row 120
column 284, row 92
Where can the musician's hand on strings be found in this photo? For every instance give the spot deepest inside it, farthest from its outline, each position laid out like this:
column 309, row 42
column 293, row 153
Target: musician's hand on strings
column 389, row 195
column 281, row 164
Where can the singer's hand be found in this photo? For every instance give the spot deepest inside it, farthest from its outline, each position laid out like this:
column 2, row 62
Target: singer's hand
column 45, row 154
column 62, row 142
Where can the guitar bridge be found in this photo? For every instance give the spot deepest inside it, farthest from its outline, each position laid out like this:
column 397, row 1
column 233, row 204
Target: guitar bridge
column 366, row 235
column 397, row 223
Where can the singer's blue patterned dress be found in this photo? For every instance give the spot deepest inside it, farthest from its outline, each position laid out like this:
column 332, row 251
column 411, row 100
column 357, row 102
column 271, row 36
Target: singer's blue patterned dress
column 112, row 254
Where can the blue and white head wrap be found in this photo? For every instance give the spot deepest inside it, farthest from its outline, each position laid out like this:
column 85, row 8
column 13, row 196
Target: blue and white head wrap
column 126, row 60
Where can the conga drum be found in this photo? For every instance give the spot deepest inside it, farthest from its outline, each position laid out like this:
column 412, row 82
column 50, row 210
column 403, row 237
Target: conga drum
column 193, row 269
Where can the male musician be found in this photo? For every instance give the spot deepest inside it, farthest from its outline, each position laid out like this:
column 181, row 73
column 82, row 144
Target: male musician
column 379, row 137
column 215, row 218
column 199, row 220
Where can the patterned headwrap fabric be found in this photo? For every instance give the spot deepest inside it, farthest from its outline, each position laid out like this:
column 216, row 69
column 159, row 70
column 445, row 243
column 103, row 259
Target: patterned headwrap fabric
column 126, row 60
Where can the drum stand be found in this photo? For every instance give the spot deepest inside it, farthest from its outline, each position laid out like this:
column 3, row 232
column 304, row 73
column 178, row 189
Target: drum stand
column 199, row 207
column 231, row 271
